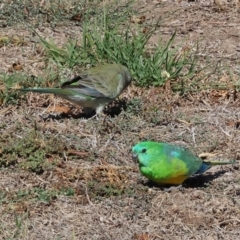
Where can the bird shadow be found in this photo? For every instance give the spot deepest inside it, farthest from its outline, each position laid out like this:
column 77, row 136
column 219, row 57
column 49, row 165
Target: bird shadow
column 195, row 181
column 114, row 109
column 201, row 181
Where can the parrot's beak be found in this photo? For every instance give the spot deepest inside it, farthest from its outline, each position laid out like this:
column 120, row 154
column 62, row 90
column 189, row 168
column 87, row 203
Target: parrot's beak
column 134, row 157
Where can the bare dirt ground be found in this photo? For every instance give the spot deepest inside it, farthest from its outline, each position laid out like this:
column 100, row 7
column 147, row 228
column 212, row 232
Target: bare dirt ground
column 88, row 187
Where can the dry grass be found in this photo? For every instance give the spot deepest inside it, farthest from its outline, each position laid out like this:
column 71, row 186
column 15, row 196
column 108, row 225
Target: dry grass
column 88, row 186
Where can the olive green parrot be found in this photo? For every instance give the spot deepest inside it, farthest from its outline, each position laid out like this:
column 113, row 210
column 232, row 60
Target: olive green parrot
column 94, row 88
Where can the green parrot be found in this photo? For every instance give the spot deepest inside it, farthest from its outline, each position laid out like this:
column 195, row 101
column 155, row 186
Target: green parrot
column 94, row 88
column 167, row 164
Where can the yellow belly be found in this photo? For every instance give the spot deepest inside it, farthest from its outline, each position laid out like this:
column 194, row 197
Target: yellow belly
column 174, row 180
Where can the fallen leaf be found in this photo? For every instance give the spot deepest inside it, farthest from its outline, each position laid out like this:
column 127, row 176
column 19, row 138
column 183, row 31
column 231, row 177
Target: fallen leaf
column 75, row 152
column 15, row 67
column 206, row 155
column 233, row 123
column 145, row 30
column 58, row 109
column 183, row 121
column 138, row 20
column 144, row 236
column 77, row 17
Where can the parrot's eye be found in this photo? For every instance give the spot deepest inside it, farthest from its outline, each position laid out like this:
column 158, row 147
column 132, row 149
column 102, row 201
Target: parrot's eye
column 144, row 150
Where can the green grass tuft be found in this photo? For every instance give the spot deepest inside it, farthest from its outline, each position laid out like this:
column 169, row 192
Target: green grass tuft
column 115, row 40
column 33, row 151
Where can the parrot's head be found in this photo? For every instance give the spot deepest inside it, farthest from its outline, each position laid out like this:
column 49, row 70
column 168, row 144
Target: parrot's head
column 141, row 152
column 137, row 151
column 126, row 75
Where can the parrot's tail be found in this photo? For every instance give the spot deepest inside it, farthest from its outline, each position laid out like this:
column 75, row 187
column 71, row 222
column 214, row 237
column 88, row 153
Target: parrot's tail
column 56, row 91
column 206, row 165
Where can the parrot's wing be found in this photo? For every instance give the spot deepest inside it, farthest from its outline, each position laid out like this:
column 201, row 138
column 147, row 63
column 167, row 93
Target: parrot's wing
column 105, row 82
column 86, row 89
column 88, row 92
column 193, row 162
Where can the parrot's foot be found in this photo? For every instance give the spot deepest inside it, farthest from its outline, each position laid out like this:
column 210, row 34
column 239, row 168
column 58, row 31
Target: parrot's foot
column 180, row 187
column 91, row 116
column 97, row 115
